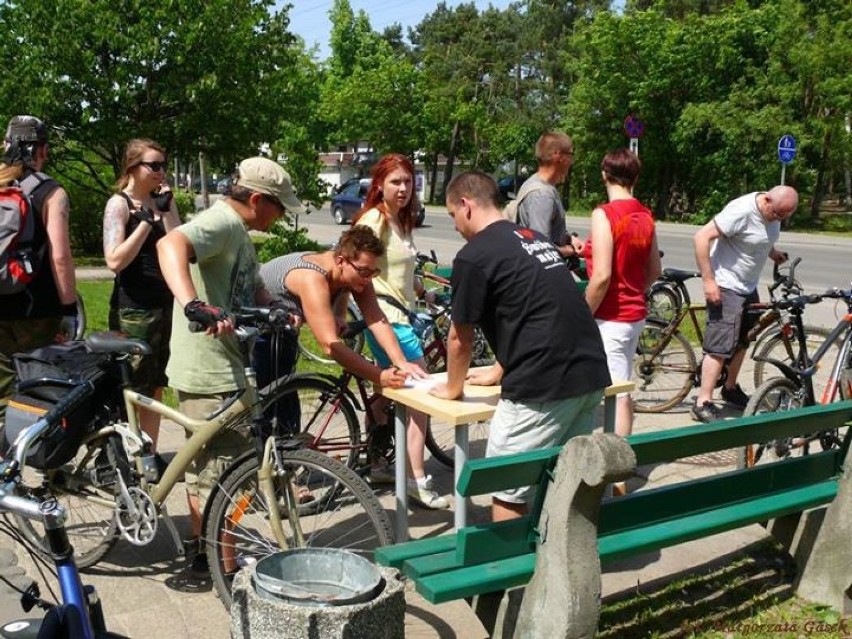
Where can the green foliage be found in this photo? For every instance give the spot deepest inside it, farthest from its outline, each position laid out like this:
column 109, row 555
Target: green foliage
column 284, row 239
column 185, row 202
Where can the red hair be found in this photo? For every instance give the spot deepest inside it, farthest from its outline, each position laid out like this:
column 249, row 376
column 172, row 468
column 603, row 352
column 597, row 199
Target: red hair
column 386, row 165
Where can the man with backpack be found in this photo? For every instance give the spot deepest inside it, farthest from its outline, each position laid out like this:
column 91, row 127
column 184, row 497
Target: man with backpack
column 537, row 205
column 38, row 299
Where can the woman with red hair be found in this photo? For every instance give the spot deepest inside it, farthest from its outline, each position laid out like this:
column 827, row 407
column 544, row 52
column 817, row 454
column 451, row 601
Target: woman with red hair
column 390, row 210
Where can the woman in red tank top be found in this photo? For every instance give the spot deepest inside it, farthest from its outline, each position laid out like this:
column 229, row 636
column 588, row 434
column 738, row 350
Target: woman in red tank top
column 622, row 259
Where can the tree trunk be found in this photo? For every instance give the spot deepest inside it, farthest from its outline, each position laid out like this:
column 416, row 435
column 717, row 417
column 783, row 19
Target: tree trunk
column 451, row 158
column 433, row 178
column 819, row 187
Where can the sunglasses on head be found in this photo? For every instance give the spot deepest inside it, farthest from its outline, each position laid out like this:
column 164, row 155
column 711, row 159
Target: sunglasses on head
column 154, row 166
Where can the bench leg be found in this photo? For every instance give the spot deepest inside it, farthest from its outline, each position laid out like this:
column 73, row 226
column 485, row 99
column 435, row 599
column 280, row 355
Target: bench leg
column 827, row 575
column 486, row 607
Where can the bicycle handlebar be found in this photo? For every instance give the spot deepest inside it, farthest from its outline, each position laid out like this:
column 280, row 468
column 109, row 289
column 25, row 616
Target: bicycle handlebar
column 247, row 316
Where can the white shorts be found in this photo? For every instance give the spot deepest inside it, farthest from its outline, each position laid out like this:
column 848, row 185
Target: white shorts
column 620, row 340
column 520, row 427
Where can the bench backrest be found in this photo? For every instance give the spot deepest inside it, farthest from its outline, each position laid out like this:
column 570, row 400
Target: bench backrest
column 677, row 443
column 490, row 474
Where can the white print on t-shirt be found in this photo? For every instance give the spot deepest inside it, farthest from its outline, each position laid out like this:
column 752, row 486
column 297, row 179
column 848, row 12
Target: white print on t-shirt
column 544, row 252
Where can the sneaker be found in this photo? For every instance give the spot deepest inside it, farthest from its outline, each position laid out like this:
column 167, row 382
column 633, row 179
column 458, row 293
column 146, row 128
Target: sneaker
column 382, row 473
column 421, row 492
column 196, row 553
column 735, row 396
column 707, row 412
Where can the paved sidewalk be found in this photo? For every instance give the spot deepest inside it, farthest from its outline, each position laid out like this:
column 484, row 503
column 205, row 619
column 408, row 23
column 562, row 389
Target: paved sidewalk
column 134, row 583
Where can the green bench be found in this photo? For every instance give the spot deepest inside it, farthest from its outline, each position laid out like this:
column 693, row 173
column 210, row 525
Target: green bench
column 490, row 558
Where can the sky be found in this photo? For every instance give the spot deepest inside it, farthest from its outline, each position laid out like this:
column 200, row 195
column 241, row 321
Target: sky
column 309, row 18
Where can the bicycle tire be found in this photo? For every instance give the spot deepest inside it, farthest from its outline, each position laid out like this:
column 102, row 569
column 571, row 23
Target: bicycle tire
column 774, row 395
column 663, row 379
column 345, row 514
column 440, row 441
column 784, row 349
column 663, row 303
column 81, row 318
column 86, row 488
column 328, row 422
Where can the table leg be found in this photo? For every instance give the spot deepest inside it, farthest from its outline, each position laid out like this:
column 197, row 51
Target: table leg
column 400, row 424
column 460, row 459
column 609, row 414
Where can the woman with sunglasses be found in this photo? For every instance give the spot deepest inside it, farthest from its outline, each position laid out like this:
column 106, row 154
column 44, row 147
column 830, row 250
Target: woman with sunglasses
column 140, row 213
column 390, row 210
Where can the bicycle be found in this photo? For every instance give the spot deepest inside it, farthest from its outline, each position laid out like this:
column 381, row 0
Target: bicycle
column 666, row 365
column 111, row 487
column 796, row 388
column 80, row 614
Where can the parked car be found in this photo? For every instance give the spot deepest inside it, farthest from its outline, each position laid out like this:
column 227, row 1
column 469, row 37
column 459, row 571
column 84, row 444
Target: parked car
column 212, row 184
column 509, row 186
column 223, row 186
column 349, row 198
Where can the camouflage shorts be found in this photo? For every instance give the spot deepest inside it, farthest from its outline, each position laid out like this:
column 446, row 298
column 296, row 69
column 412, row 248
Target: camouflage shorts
column 19, row 336
column 153, row 326
column 205, row 470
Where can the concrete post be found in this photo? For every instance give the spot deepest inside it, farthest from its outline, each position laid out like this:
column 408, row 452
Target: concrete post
column 563, row 598
column 827, row 575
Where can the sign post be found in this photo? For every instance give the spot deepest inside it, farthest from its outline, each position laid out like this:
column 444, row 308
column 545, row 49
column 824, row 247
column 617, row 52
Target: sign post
column 634, row 128
column 786, row 152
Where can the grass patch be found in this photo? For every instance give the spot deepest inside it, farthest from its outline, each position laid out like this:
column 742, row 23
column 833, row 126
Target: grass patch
column 744, row 596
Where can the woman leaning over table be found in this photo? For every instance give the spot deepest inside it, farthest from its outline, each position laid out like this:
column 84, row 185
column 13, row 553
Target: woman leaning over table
column 390, row 210
column 140, row 213
column 622, row 260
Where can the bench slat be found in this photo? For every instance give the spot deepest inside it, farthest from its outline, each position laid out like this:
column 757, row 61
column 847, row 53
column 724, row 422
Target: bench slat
column 677, row 443
column 394, row 556
column 476, row 580
column 419, row 567
column 647, row 507
column 489, row 542
column 668, row 533
column 482, row 476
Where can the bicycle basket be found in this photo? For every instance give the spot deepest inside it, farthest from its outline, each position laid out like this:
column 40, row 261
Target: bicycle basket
column 41, row 374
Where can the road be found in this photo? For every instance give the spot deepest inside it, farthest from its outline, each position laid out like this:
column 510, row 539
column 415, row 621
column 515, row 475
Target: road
column 825, row 260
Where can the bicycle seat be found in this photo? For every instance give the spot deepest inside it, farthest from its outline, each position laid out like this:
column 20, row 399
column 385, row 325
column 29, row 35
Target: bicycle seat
column 679, row 276
column 112, row 342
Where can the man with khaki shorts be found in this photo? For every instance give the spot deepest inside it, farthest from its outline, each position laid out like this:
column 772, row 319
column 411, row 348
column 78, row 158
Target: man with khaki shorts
column 551, row 363
column 211, row 258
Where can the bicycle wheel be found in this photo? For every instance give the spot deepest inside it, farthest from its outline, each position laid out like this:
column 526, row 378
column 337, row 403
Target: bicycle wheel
column 328, row 421
column 663, row 303
column 86, row 488
column 434, row 351
column 81, row 318
column 343, row 513
column 440, row 440
column 784, row 349
column 309, row 348
column 775, row 395
column 664, row 368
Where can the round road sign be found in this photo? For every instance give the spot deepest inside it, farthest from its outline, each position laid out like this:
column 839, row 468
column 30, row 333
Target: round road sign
column 633, row 126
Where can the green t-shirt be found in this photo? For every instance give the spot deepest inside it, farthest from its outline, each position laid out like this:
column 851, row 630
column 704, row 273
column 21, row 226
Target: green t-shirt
column 225, row 274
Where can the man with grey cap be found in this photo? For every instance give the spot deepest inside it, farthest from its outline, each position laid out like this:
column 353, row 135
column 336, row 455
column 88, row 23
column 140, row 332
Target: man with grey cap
column 46, row 309
column 211, row 268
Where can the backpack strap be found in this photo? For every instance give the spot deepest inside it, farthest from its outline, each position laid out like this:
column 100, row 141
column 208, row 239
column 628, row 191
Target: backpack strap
column 393, row 302
column 31, row 183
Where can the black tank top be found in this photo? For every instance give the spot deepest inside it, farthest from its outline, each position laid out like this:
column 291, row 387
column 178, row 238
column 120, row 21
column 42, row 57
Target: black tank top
column 141, row 283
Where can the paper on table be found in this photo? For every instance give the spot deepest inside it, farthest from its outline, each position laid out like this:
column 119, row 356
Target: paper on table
column 422, row 384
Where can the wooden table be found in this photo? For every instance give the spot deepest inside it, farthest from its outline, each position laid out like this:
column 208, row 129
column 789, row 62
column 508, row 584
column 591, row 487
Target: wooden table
column 478, row 404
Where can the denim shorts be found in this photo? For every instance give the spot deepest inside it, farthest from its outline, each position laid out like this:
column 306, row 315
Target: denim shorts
column 408, row 342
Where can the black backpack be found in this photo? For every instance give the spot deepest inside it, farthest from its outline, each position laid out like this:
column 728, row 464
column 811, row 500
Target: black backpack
column 20, row 258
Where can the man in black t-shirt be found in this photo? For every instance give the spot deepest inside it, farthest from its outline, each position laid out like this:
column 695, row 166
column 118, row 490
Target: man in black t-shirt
column 551, row 363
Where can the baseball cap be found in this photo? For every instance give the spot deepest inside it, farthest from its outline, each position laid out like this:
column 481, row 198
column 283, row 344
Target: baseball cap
column 26, row 129
column 262, row 175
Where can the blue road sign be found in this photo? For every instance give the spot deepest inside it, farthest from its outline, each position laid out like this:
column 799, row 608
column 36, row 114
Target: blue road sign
column 786, row 149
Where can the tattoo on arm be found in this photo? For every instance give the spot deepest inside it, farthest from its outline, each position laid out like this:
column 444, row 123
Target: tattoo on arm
column 115, row 219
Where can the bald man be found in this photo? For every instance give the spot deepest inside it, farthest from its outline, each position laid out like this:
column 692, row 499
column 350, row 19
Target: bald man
column 731, row 251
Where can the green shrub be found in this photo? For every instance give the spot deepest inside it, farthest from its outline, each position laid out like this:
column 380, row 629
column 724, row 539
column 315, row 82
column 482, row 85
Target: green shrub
column 284, row 239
